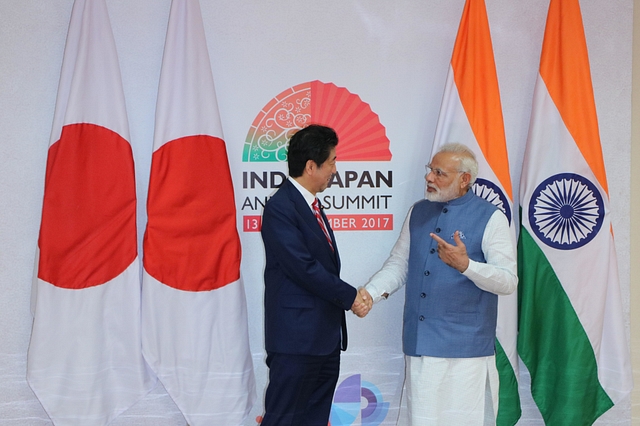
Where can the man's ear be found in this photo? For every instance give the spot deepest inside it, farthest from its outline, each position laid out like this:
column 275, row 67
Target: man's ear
column 310, row 167
column 466, row 179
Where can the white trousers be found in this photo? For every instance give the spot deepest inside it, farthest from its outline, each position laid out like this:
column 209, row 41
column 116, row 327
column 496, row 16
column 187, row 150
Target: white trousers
column 452, row 391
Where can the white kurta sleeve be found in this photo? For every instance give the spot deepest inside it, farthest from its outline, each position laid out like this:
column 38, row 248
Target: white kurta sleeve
column 499, row 275
column 393, row 273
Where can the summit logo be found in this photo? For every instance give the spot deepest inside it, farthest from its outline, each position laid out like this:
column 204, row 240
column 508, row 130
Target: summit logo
column 362, row 136
column 363, row 141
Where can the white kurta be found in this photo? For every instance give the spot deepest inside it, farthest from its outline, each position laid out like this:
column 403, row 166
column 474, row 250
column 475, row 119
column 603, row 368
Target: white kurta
column 453, row 391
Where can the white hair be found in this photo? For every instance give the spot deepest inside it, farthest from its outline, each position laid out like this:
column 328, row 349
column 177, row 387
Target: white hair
column 465, row 156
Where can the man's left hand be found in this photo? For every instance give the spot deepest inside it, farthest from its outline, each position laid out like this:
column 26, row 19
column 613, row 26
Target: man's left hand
column 453, row 255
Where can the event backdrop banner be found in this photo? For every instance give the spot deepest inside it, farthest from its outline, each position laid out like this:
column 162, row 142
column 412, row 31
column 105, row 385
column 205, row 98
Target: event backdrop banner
column 376, row 70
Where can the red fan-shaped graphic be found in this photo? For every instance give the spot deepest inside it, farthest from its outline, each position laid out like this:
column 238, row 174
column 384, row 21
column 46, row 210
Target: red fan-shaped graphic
column 362, row 136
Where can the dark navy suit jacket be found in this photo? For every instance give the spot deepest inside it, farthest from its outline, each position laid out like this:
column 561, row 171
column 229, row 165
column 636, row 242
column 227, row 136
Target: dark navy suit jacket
column 305, row 299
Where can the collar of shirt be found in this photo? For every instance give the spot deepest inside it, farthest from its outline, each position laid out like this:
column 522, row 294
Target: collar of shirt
column 308, row 197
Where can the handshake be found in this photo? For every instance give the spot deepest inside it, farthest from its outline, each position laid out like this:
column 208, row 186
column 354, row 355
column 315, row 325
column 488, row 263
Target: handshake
column 363, row 303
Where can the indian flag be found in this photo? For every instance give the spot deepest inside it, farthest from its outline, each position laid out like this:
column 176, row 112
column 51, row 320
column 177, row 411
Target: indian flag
column 571, row 328
column 471, row 114
column 194, row 315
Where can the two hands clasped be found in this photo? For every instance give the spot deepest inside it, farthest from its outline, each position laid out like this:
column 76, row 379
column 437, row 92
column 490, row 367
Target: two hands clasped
column 363, row 303
column 453, row 255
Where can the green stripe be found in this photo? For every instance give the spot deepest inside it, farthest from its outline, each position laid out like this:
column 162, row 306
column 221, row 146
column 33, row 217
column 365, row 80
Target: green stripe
column 553, row 345
column 509, row 410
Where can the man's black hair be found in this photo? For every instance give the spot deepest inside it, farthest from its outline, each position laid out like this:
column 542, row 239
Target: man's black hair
column 314, row 142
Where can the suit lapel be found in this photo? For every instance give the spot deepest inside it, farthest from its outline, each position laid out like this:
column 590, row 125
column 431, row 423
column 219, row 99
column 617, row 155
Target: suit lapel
column 333, row 238
column 302, row 208
column 305, row 212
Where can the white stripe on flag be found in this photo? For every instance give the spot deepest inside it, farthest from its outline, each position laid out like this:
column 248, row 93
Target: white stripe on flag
column 189, row 340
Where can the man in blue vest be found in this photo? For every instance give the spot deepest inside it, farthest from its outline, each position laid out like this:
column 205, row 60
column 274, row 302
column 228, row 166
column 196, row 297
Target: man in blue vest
column 455, row 254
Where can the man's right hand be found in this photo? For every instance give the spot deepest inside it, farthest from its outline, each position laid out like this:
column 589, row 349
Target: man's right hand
column 366, row 297
column 362, row 304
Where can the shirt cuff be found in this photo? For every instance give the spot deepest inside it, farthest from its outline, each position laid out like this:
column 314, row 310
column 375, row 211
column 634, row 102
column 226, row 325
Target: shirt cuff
column 472, row 271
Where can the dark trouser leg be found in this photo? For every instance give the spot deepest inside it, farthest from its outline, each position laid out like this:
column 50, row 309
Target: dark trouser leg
column 300, row 389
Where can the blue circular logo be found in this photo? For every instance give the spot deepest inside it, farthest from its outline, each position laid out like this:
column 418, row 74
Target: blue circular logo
column 566, row 211
column 492, row 193
column 347, row 403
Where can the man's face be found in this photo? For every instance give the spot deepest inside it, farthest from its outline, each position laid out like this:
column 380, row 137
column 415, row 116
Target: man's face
column 444, row 180
column 322, row 174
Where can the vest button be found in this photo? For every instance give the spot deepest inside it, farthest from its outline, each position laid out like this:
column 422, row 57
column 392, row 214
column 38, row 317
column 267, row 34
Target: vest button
column 427, row 273
column 445, row 210
column 421, row 318
column 432, row 251
column 423, row 295
column 438, row 229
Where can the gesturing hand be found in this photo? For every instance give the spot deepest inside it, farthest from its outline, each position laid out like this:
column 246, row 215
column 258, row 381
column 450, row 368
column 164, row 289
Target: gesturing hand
column 454, row 256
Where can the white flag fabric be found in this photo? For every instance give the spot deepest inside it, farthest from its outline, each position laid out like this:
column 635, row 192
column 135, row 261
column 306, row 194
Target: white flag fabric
column 571, row 328
column 194, row 314
column 85, row 363
column 471, row 114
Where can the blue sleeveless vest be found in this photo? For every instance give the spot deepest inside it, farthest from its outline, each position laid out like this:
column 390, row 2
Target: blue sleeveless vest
column 445, row 314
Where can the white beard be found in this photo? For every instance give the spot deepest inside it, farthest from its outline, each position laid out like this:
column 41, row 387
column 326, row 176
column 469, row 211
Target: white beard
column 441, row 195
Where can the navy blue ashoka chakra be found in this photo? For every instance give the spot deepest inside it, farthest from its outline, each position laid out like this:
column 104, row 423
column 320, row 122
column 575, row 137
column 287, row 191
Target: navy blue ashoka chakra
column 566, row 211
column 492, row 193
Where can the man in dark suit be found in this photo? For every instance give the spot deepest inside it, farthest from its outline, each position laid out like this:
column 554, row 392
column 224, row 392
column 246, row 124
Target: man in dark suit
column 305, row 299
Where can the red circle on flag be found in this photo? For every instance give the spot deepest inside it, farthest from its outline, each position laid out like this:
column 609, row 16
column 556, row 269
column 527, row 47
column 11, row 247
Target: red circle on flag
column 88, row 229
column 191, row 242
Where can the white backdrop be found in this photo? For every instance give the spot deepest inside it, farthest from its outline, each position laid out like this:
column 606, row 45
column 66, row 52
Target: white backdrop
column 394, row 55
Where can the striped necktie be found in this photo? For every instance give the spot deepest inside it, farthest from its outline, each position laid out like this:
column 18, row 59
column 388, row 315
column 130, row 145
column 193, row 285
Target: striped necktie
column 316, row 212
